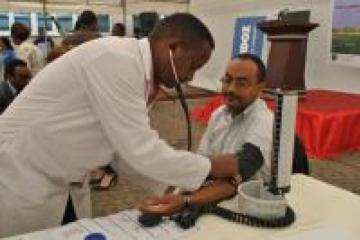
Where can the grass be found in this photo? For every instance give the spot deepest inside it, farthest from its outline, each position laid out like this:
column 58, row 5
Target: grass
column 345, row 43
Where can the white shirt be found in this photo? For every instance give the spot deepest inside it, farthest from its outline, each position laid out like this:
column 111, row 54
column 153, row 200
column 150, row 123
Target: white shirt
column 73, row 117
column 31, row 54
column 226, row 134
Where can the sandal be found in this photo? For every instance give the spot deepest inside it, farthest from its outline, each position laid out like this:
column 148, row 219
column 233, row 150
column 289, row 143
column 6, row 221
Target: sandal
column 107, row 181
column 96, row 176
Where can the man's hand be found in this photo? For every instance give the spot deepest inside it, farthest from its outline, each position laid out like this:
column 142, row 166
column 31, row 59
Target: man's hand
column 224, row 166
column 169, row 204
column 165, row 205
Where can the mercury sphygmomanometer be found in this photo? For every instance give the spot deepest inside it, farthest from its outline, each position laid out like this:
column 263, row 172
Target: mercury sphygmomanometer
column 260, row 204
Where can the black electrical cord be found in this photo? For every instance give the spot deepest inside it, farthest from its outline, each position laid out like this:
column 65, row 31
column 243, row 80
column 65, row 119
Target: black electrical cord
column 284, row 221
column 188, row 217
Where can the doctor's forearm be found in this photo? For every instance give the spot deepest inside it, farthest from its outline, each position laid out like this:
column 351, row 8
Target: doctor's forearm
column 224, row 166
column 246, row 162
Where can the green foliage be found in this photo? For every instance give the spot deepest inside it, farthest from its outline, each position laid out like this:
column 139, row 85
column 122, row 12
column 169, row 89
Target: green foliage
column 346, row 43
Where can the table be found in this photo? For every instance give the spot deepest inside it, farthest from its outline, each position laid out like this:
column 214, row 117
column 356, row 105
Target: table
column 318, row 206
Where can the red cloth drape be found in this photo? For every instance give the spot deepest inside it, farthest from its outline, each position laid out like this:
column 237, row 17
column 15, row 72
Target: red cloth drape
column 328, row 122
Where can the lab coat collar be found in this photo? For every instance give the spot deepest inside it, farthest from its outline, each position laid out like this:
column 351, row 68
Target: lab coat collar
column 145, row 50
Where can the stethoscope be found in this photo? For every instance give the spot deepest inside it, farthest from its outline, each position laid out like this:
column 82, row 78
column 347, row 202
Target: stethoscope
column 150, row 220
column 182, row 101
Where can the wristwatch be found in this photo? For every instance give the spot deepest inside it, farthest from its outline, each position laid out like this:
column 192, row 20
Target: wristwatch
column 187, row 200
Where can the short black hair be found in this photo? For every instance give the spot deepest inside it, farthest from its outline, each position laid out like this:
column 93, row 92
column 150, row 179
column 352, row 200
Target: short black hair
column 19, row 31
column 185, row 26
column 7, row 43
column 86, row 18
column 118, row 27
column 255, row 59
column 11, row 65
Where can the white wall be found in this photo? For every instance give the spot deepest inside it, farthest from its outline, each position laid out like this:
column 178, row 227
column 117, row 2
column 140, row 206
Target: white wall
column 321, row 73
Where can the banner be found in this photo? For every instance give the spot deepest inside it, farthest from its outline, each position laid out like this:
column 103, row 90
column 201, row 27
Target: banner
column 345, row 42
column 247, row 37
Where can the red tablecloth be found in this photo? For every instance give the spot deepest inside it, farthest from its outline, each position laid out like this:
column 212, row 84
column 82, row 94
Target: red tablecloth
column 328, row 122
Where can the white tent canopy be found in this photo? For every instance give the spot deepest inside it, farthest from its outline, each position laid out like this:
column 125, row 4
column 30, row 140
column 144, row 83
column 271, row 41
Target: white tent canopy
column 101, row 6
column 119, row 10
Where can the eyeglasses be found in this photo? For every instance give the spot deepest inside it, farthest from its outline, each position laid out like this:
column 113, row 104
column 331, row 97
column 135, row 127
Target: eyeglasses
column 238, row 83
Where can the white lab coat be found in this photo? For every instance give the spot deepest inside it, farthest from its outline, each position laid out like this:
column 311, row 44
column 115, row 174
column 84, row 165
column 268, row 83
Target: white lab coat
column 72, row 118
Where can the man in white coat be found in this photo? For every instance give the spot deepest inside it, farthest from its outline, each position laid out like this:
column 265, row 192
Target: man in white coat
column 88, row 106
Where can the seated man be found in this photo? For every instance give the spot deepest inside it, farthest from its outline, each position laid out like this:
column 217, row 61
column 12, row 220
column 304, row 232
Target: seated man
column 16, row 77
column 242, row 127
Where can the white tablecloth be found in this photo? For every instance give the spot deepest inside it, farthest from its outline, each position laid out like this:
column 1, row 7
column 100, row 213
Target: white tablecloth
column 321, row 211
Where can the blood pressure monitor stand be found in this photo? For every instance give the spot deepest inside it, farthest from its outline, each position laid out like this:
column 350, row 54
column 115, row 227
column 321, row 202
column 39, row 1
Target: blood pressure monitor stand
column 266, row 200
column 285, row 84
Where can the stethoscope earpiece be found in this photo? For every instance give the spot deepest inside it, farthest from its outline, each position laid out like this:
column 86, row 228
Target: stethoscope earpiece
column 176, row 77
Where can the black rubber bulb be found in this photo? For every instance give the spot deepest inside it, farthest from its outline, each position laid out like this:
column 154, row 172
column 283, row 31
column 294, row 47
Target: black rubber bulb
column 149, row 220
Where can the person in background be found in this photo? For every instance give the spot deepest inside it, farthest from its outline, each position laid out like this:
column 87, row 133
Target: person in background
column 86, row 29
column 57, row 52
column 44, row 42
column 136, row 32
column 7, row 54
column 25, row 49
column 17, row 75
column 118, row 29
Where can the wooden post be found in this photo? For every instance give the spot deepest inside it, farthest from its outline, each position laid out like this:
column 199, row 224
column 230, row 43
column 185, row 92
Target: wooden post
column 286, row 61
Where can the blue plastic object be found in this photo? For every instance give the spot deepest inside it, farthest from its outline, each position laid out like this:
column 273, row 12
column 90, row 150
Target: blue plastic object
column 95, row 236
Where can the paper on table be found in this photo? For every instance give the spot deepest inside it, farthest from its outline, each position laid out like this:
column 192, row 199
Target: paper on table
column 123, row 225
column 71, row 231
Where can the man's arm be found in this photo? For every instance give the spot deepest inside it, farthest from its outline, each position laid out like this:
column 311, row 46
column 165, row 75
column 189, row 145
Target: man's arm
column 248, row 161
column 223, row 166
column 172, row 203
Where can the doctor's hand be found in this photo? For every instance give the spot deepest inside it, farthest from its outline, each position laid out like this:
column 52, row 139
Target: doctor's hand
column 165, row 205
column 224, row 166
column 169, row 204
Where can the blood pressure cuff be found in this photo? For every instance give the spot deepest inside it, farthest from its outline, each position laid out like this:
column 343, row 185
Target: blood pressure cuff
column 250, row 160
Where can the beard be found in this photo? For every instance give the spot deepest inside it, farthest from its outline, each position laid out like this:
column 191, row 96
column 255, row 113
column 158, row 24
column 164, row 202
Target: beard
column 234, row 103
